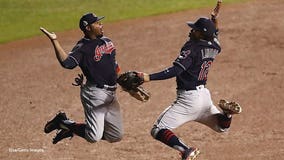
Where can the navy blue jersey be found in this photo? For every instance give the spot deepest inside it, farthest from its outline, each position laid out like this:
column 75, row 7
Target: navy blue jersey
column 196, row 57
column 96, row 58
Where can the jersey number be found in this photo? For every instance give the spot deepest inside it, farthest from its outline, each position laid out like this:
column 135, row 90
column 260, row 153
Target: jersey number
column 204, row 70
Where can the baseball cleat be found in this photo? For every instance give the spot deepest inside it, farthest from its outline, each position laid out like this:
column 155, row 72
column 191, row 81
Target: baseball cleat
column 190, row 154
column 55, row 122
column 61, row 135
column 230, row 107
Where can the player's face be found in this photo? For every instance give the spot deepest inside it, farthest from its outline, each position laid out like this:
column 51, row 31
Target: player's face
column 194, row 34
column 96, row 29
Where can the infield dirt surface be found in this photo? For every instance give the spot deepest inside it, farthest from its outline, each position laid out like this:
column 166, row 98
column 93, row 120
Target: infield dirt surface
column 249, row 70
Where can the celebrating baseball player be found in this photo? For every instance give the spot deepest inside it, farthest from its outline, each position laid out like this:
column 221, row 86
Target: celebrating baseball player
column 193, row 101
column 95, row 55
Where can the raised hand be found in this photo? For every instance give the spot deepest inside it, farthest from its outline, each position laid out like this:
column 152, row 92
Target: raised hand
column 51, row 36
column 215, row 12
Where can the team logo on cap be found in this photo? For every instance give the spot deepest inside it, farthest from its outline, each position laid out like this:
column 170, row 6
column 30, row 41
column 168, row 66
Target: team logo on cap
column 85, row 23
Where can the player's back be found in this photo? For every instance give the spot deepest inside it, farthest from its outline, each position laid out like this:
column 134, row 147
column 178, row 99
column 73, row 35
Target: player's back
column 201, row 55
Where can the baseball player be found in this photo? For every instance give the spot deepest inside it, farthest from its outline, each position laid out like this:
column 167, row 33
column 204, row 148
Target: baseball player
column 193, row 101
column 95, row 55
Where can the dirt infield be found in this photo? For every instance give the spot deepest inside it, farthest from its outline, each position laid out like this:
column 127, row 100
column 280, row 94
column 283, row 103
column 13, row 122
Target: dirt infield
column 250, row 70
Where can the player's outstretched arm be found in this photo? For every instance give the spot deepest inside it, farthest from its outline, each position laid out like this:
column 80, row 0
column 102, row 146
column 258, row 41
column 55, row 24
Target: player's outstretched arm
column 61, row 55
column 215, row 13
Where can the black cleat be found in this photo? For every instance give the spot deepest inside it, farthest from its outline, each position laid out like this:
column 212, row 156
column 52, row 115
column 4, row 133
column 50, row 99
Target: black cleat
column 61, row 135
column 55, row 122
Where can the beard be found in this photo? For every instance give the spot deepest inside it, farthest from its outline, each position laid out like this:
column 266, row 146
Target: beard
column 192, row 36
column 100, row 36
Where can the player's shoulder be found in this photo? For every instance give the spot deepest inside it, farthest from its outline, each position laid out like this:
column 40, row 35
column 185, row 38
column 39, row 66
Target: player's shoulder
column 209, row 44
column 81, row 43
column 106, row 39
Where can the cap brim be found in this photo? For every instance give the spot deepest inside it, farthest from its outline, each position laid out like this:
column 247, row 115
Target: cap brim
column 191, row 24
column 96, row 20
column 100, row 18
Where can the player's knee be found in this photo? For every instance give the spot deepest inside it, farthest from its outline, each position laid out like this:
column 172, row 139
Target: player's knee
column 92, row 137
column 117, row 138
column 154, row 131
column 112, row 138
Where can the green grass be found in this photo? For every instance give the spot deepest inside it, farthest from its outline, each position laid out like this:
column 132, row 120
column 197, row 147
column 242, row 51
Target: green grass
column 22, row 18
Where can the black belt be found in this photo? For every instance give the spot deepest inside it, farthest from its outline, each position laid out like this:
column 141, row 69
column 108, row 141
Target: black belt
column 107, row 87
column 195, row 88
column 104, row 86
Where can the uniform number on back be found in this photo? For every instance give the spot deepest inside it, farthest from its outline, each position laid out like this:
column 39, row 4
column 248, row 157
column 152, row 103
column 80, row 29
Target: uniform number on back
column 204, row 70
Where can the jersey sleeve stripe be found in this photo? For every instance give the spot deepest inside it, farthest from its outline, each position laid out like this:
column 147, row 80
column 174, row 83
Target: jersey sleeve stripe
column 180, row 65
column 74, row 60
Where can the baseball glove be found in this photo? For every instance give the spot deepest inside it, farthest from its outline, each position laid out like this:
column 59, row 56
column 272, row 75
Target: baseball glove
column 131, row 82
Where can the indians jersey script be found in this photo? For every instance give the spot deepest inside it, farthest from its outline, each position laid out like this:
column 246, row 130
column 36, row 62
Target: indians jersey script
column 96, row 58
